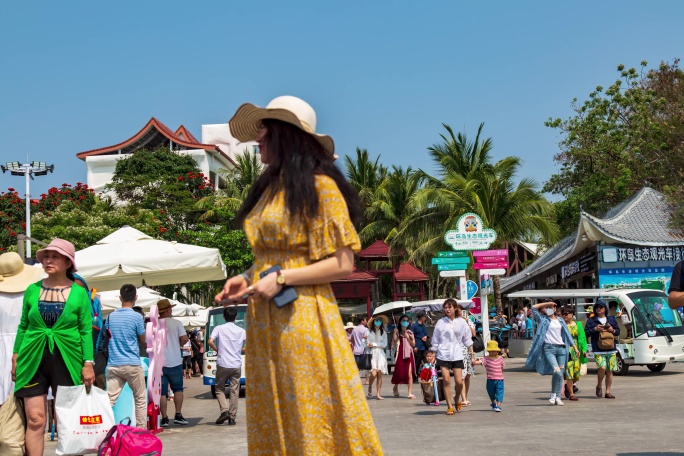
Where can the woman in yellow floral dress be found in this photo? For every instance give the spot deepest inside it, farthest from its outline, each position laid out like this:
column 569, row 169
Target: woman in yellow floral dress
column 305, row 396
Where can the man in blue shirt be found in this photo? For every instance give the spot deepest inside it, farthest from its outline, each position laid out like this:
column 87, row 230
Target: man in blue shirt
column 421, row 335
column 127, row 330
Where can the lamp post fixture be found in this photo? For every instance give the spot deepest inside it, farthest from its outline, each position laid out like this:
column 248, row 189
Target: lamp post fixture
column 28, row 170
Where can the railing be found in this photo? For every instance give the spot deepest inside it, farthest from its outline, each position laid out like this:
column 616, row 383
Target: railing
column 21, row 243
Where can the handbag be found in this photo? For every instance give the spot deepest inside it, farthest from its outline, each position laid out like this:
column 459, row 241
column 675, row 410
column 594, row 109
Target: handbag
column 125, row 440
column 583, row 369
column 12, row 427
column 606, row 341
column 364, row 362
column 478, row 344
column 83, row 420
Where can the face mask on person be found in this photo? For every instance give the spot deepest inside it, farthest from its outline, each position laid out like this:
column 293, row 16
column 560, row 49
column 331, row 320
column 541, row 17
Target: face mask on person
column 377, row 323
column 550, row 311
column 404, row 324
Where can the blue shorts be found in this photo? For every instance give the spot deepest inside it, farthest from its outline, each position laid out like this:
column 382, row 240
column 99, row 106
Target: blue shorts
column 495, row 390
column 172, row 376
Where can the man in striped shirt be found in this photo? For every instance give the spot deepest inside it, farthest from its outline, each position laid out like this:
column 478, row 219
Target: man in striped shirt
column 127, row 330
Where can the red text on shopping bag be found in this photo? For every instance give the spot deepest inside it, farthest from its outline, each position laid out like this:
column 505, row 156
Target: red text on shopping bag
column 90, row 420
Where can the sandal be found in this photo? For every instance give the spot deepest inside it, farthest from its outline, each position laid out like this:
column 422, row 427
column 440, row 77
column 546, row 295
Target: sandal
column 450, row 411
column 466, row 403
column 459, row 406
column 395, row 392
column 609, row 396
column 380, row 398
column 370, row 395
column 599, row 391
column 411, row 396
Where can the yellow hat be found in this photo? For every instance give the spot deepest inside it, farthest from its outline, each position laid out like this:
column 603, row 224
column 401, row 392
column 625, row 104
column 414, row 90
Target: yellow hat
column 493, row 346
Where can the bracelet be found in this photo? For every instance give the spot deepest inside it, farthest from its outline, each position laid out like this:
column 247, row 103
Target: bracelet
column 244, row 274
column 89, row 361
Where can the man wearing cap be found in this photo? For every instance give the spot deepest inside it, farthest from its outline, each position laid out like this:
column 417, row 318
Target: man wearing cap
column 421, row 336
column 229, row 341
column 127, row 331
column 172, row 372
column 15, row 277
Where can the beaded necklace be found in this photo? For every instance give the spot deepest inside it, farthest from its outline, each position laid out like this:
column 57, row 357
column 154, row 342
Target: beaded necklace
column 52, row 294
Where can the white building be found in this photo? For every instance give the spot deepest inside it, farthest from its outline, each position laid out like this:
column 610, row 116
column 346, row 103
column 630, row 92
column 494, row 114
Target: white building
column 216, row 152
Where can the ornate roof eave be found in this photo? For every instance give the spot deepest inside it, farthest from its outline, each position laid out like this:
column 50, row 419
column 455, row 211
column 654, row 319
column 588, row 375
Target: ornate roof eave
column 596, row 233
column 166, row 132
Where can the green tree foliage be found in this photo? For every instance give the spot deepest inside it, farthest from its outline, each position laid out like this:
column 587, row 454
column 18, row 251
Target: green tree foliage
column 13, row 209
column 162, row 180
column 390, row 205
column 467, row 181
column 85, row 225
column 222, row 205
column 366, row 176
column 620, row 139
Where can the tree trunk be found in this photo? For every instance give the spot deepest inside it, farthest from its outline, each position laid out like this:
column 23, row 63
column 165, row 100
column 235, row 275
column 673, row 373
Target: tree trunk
column 496, row 282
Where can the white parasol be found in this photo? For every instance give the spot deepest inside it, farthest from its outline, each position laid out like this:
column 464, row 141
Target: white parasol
column 131, row 256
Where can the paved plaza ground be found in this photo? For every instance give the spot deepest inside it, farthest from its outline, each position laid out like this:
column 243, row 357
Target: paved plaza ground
column 645, row 419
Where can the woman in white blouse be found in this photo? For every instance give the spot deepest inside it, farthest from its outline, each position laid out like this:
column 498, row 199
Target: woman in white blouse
column 377, row 342
column 452, row 334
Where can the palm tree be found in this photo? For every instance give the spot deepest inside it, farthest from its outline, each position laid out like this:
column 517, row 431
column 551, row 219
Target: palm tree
column 365, row 175
column 468, row 182
column 227, row 201
column 390, row 205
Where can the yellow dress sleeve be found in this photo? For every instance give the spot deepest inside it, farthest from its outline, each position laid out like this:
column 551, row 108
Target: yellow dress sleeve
column 331, row 229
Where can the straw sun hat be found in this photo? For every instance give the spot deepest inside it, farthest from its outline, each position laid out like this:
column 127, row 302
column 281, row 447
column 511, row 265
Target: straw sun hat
column 164, row 304
column 244, row 125
column 15, row 276
column 384, row 319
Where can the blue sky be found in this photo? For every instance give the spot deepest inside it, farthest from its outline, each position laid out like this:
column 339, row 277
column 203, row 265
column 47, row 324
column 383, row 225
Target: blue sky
column 381, row 75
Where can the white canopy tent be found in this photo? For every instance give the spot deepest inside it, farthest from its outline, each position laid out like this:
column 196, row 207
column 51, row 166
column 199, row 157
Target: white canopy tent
column 194, row 319
column 131, row 256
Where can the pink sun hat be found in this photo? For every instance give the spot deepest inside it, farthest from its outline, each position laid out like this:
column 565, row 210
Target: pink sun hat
column 64, row 248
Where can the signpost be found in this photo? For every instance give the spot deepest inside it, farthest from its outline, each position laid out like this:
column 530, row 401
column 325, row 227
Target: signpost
column 459, row 260
column 452, row 267
column 471, row 289
column 460, row 273
column 454, row 254
column 493, row 272
column 499, row 265
column 470, row 235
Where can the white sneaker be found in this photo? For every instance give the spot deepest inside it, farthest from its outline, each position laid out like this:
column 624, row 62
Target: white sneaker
column 558, row 401
column 552, row 399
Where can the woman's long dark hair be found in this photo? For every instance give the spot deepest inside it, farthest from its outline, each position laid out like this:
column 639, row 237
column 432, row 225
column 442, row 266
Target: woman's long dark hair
column 296, row 158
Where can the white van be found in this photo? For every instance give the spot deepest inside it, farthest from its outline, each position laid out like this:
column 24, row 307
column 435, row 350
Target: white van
column 215, row 319
column 657, row 331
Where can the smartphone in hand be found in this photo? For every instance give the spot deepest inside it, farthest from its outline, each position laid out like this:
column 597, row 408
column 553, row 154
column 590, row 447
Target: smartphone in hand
column 287, row 295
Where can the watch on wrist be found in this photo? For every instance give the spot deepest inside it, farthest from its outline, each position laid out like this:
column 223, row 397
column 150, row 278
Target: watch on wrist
column 89, row 361
column 280, row 278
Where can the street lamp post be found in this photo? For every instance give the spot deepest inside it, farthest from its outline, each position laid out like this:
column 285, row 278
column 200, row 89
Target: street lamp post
column 28, row 170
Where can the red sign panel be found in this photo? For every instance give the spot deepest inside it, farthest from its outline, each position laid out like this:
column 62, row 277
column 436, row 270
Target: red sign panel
column 499, row 264
column 477, row 308
column 481, row 253
column 491, row 259
column 351, row 290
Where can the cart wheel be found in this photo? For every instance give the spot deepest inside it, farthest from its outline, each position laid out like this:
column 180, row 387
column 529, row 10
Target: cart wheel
column 213, row 391
column 656, row 367
column 622, row 366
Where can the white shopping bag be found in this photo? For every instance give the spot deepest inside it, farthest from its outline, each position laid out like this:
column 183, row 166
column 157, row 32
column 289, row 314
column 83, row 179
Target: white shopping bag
column 83, row 420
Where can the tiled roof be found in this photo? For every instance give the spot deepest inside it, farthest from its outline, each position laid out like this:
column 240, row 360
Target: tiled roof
column 358, row 275
column 139, row 138
column 643, row 218
column 551, row 257
column 378, row 249
column 184, row 133
column 409, row 273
